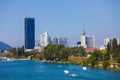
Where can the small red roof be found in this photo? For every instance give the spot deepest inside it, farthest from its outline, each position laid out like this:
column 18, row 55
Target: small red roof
column 89, row 49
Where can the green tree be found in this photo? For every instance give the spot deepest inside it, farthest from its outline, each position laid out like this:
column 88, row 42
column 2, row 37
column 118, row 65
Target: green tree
column 106, row 64
column 119, row 47
column 64, row 54
column 115, row 49
column 52, row 52
column 92, row 61
column 76, row 51
column 97, row 55
column 84, row 62
column 107, row 55
column 114, row 44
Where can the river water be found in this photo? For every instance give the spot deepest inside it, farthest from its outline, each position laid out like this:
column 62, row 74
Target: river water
column 32, row 70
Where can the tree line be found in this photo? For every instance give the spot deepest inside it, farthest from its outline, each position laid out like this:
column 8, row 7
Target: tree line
column 59, row 52
column 108, row 56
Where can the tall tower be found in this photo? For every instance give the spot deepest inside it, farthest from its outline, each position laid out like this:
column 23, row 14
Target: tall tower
column 29, row 33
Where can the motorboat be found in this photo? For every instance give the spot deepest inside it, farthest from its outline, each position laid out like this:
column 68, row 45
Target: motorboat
column 84, row 68
column 66, row 71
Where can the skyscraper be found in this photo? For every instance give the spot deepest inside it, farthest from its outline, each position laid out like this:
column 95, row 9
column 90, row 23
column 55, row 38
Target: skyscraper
column 29, row 33
column 44, row 39
column 88, row 41
column 63, row 40
column 110, row 40
column 60, row 40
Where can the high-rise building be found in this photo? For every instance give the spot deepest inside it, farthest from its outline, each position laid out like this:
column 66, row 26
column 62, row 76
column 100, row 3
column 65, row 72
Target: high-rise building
column 83, row 41
column 88, row 41
column 109, row 40
column 37, row 42
column 44, row 39
column 63, row 40
column 29, row 33
column 55, row 40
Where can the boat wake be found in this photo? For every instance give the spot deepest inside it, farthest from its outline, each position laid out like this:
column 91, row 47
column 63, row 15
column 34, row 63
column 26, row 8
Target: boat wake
column 72, row 75
column 59, row 66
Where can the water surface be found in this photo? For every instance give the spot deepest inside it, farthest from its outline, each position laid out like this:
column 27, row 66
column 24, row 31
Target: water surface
column 32, row 70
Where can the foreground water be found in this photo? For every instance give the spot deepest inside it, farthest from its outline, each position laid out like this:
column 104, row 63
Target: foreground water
column 32, row 70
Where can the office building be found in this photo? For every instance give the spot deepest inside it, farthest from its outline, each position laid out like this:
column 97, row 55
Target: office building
column 63, row 40
column 60, row 40
column 37, row 42
column 109, row 40
column 29, row 33
column 55, row 40
column 44, row 39
column 88, row 41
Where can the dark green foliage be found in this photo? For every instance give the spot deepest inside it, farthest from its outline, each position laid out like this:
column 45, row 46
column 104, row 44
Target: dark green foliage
column 97, row 55
column 106, row 64
column 115, row 49
column 55, row 52
column 61, row 53
column 17, row 52
column 84, row 62
column 114, row 44
column 108, row 51
column 77, row 51
column 92, row 61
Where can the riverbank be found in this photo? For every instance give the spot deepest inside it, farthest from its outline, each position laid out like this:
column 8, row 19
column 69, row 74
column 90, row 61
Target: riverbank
column 82, row 61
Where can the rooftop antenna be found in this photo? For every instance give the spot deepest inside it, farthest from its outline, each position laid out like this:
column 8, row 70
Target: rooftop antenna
column 84, row 33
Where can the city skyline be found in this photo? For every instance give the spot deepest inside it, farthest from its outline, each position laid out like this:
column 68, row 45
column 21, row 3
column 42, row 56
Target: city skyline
column 61, row 18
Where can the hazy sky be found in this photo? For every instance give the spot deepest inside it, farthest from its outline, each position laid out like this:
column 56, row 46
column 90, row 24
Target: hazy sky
column 61, row 18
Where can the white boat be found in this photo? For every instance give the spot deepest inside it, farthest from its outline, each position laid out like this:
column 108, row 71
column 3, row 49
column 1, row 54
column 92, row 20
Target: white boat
column 66, row 71
column 84, row 68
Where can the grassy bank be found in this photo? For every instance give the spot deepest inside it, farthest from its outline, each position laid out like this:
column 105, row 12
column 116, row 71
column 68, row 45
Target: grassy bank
column 84, row 61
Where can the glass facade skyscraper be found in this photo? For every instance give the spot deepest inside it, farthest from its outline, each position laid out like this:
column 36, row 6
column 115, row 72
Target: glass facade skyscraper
column 29, row 33
column 88, row 41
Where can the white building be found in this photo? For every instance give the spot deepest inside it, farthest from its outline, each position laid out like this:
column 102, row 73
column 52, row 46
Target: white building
column 109, row 40
column 44, row 39
column 88, row 41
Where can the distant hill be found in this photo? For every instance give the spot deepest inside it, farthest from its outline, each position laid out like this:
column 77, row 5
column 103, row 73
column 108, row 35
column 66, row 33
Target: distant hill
column 4, row 46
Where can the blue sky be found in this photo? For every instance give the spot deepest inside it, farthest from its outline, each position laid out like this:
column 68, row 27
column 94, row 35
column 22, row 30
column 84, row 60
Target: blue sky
column 61, row 18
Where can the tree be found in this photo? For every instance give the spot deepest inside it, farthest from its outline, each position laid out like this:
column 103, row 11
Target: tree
column 97, row 55
column 106, row 64
column 107, row 55
column 64, row 54
column 119, row 47
column 55, row 52
column 76, row 51
column 92, row 61
column 115, row 49
column 84, row 62
column 114, row 44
